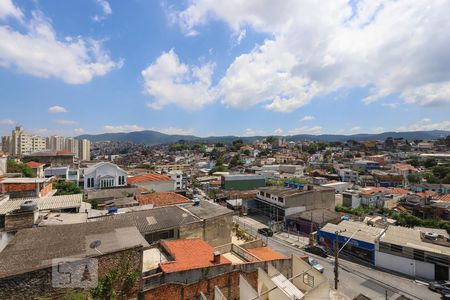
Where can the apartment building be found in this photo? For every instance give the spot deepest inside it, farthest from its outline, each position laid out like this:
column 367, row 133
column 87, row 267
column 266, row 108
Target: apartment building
column 21, row 142
column 348, row 175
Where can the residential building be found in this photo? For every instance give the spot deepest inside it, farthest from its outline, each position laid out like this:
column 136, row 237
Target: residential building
column 153, row 182
column 403, row 169
column 63, row 173
column 3, row 164
column 177, row 176
column 84, row 150
column 104, row 175
column 27, row 263
column 365, row 165
column 53, row 158
column 349, row 175
column 21, row 142
column 26, row 187
column 38, row 168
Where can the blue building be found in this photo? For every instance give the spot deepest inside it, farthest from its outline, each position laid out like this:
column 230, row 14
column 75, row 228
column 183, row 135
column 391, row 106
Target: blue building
column 361, row 246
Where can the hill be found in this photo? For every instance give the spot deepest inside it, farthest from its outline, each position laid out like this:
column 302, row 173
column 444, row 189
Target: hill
column 151, row 137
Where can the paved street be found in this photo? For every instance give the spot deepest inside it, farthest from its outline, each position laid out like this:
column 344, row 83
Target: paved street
column 355, row 279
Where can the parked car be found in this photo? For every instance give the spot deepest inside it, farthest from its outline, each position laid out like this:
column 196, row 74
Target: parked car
column 316, row 249
column 441, row 286
column 265, row 231
column 313, row 263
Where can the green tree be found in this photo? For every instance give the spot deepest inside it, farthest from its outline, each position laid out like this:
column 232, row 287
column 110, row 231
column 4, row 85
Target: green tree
column 446, row 179
column 430, row 162
column 145, row 166
column 430, row 178
column 441, row 171
column 17, row 167
column 271, row 139
column 414, row 178
column 66, row 188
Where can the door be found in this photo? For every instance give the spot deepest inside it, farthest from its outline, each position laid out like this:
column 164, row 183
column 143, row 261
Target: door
column 440, row 272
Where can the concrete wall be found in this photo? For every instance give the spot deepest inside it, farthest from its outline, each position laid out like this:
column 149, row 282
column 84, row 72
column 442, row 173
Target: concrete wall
column 395, row 263
column 158, row 186
column 217, row 231
column 313, row 199
column 3, row 165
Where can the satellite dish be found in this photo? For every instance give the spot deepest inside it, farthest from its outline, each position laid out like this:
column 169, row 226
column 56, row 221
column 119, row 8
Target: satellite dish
column 95, row 244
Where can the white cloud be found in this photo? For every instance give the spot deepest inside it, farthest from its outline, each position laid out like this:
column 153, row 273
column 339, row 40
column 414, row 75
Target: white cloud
column 249, row 132
column 169, row 81
column 65, row 122
column 426, row 124
column 106, row 10
column 278, row 131
column 306, row 130
column 177, row 131
column 389, row 46
column 7, row 122
column 35, row 49
column 378, row 130
column 355, row 129
column 307, row 118
column 390, row 105
column 7, row 9
column 57, row 109
column 122, row 128
column 78, row 130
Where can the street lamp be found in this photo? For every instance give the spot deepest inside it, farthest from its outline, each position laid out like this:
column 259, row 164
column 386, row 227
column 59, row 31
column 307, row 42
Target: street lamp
column 336, row 254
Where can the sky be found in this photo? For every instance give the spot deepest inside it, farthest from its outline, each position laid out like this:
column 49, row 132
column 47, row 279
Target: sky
column 204, row 67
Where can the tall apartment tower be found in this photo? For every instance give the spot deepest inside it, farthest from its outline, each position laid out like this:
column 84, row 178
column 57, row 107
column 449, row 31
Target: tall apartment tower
column 72, row 145
column 84, row 150
column 21, row 142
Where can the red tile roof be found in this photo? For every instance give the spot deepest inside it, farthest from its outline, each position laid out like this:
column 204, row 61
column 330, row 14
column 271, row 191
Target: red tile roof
column 64, row 152
column 33, row 164
column 188, row 255
column 398, row 191
column 162, row 199
column 148, row 177
column 444, row 197
column 266, row 253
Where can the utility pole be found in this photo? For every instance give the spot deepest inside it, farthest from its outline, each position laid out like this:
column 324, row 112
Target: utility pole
column 336, row 263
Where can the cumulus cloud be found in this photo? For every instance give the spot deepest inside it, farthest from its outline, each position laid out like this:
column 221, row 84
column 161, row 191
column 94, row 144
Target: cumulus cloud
column 307, row 118
column 65, row 122
column 121, row 128
column 427, row 124
column 249, row 132
column 169, row 81
column 177, row 131
column 8, row 9
column 355, row 129
column 34, row 48
column 7, row 122
column 78, row 130
column 389, row 47
column 57, row 109
column 106, row 10
column 306, row 130
column 278, row 131
column 377, row 130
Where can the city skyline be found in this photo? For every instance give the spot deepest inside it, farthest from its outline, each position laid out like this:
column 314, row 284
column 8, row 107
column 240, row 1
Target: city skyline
column 229, row 69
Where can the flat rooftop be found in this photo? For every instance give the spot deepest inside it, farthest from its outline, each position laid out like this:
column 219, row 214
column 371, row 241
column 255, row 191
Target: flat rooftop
column 289, row 192
column 361, row 231
column 411, row 238
column 206, row 209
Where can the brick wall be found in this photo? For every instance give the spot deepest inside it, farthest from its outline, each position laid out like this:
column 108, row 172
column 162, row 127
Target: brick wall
column 228, row 284
column 20, row 220
column 46, row 189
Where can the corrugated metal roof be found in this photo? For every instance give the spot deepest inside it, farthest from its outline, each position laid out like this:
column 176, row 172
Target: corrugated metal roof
column 365, row 234
column 287, row 287
column 46, row 203
column 153, row 220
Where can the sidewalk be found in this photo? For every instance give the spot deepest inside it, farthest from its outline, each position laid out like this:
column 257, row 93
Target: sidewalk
column 294, row 240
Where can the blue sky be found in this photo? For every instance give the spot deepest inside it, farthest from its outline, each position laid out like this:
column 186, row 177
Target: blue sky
column 237, row 67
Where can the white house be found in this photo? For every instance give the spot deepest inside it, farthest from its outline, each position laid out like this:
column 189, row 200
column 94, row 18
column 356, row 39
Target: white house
column 104, row 175
column 177, row 176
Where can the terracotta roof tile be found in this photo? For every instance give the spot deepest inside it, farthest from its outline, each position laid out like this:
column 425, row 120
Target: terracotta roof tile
column 189, row 254
column 148, row 177
column 266, row 253
column 162, row 199
column 444, row 197
column 33, row 164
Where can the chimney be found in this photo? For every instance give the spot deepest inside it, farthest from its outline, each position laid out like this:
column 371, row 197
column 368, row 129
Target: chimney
column 216, row 257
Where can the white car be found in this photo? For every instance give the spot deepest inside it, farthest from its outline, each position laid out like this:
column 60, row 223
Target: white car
column 313, row 263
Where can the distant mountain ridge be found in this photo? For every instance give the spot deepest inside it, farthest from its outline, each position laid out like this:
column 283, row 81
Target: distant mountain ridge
column 151, row 137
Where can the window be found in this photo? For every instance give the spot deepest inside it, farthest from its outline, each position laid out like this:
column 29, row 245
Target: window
column 419, row 255
column 396, row 248
column 267, row 195
column 281, row 199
